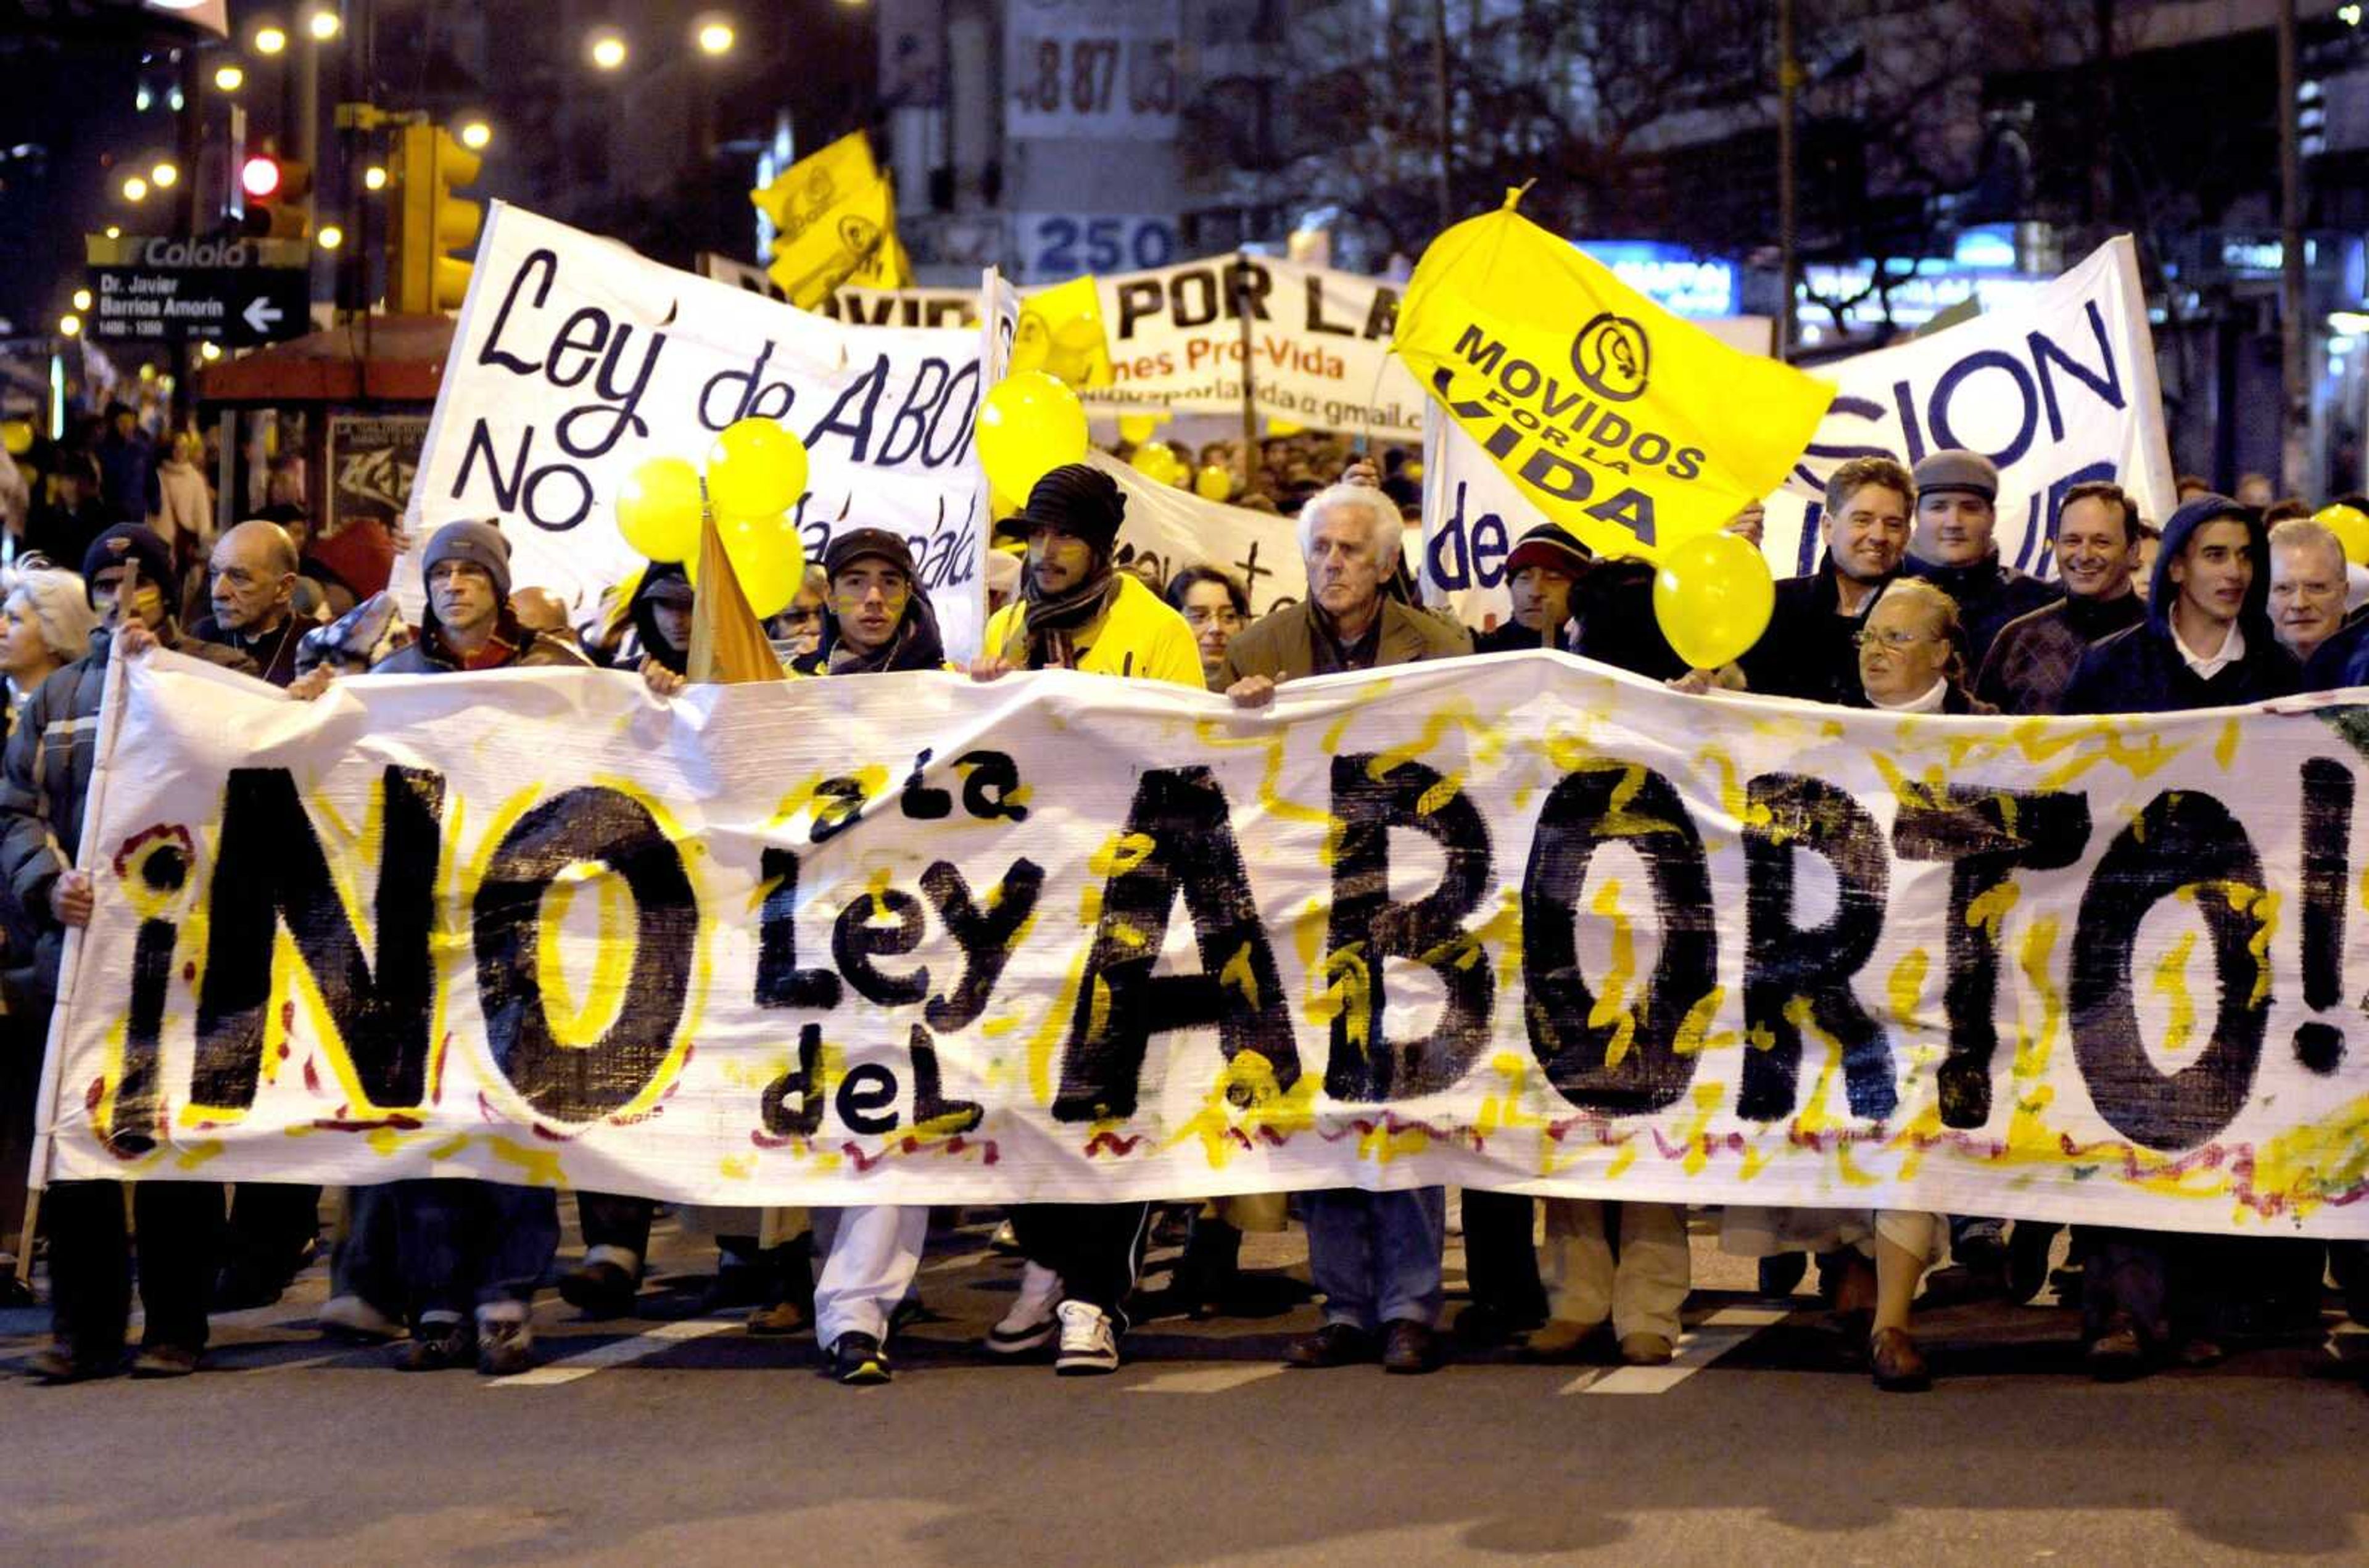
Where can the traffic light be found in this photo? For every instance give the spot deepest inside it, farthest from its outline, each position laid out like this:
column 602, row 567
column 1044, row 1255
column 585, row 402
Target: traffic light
column 430, row 222
column 279, row 194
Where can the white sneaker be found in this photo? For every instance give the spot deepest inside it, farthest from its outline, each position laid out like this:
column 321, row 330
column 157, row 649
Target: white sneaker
column 1030, row 1322
column 1089, row 1343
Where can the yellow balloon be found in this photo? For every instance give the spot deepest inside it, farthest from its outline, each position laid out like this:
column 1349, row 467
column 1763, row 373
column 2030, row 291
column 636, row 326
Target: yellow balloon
column 1152, row 459
column 657, row 508
column 1214, row 483
column 756, row 468
column 1413, row 471
column 17, row 437
column 2351, row 526
column 1712, row 597
column 1029, row 424
column 1284, row 427
column 770, row 559
column 1136, row 429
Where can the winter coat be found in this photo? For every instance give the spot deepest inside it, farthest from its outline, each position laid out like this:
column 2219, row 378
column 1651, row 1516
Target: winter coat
column 1988, row 595
column 1808, row 651
column 1282, row 644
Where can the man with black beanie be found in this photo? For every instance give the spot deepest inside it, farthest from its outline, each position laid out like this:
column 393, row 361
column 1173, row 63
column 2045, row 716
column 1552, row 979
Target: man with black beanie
column 1075, row 612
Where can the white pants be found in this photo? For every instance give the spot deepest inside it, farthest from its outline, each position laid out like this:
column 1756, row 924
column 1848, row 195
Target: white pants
column 869, row 1257
column 1644, row 1292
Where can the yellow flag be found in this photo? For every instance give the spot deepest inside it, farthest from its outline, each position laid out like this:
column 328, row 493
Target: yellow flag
column 1061, row 333
column 1630, row 427
column 727, row 642
column 835, row 217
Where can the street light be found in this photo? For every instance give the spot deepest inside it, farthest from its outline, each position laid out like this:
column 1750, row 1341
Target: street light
column 330, row 237
column 374, row 177
column 271, row 40
column 209, row 351
column 70, row 324
column 229, row 78
column 608, row 51
column 135, row 188
column 714, row 36
column 164, row 175
column 476, row 134
column 81, row 299
column 322, row 25
column 115, row 231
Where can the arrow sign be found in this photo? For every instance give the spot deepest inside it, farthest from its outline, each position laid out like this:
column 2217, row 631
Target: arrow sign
column 239, row 293
column 260, row 314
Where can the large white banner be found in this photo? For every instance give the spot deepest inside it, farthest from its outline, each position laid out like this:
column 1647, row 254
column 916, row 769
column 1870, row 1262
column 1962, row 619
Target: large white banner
column 2058, row 390
column 577, row 360
column 1177, row 529
column 1514, row 923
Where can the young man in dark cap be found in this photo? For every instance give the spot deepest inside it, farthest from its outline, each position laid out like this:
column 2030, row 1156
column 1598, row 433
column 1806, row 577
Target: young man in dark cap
column 1546, row 566
column 878, row 616
column 1075, row 612
column 1954, row 549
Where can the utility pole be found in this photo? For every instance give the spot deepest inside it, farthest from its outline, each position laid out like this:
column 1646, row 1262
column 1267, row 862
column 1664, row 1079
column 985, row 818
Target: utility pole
column 2295, row 387
column 1788, row 172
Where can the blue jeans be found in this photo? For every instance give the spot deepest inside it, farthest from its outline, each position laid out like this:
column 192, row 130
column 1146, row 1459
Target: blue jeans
column 1376, row 1256
column 467, row 1243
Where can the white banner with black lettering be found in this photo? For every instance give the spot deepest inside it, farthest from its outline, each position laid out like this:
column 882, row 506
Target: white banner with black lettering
column 577, row 360
column 1516, row 922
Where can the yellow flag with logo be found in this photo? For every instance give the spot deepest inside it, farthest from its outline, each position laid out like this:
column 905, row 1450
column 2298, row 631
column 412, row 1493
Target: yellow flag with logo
column 1061, row 333
column 834, row 216
column 1630, row 427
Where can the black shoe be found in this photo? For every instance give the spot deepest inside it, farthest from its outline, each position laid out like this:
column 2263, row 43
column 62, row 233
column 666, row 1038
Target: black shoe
column 1409, row 1346
column 438, row 1346
column 2120, row 1354
column 1485, row 1325
column 1899, row 1367
column 1204, row 1276
column 238, row 1289
column 1335, row 1344
column 598, row 1289
column 858, row 1360
column 1782, row 1274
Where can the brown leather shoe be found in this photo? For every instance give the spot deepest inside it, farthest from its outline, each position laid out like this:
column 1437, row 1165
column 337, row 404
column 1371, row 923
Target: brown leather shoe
column 1335, row 1344
column 1410, row 1347
column 1646, row 1350
column 1898, row 1365
column 2120, row 1352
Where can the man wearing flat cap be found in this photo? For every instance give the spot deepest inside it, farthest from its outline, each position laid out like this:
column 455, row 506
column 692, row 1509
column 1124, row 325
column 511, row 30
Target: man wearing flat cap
column 1954, row 549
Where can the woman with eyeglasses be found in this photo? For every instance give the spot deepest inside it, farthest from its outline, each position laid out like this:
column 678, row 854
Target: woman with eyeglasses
column 1911, row 653
column 1215, row 606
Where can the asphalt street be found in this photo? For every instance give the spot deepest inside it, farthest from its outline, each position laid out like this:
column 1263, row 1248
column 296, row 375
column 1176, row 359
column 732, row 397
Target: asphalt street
column 673, row 1438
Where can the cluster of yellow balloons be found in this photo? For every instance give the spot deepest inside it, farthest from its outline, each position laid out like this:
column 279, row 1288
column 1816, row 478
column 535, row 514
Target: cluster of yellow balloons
column 756, row 472
column 1712, row 596
column 2351, row 526
column 1158, row 462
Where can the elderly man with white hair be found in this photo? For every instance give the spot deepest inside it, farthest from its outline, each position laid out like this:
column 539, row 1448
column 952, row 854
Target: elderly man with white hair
column 2307, row 584
column 1374, row 1255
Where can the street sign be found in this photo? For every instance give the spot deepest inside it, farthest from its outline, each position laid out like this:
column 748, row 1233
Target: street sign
column 237, row 292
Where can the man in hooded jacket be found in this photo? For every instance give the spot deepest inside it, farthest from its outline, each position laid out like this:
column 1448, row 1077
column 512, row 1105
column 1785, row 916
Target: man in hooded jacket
column 2206, row 643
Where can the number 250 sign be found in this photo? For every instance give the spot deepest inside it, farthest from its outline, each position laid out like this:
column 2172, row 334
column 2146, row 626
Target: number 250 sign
column 1104, row 70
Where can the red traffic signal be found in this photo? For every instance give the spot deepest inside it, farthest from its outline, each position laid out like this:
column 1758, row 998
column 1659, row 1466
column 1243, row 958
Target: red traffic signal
column 260, row 176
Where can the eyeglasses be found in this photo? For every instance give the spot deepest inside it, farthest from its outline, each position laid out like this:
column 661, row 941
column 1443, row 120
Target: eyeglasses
column 794, row 615
column 1897, row 639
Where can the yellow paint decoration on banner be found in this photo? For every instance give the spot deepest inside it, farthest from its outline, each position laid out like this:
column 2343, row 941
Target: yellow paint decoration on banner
column 1631, row 428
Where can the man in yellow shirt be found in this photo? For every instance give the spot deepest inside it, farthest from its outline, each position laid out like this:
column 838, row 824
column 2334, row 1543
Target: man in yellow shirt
column 1076, row 612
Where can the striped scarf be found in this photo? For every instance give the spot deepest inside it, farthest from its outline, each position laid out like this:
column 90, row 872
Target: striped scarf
column 1047, row 624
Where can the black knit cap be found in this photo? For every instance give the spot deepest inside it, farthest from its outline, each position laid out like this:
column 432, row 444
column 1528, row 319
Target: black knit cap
column 1078, row 500
column 1553, row 547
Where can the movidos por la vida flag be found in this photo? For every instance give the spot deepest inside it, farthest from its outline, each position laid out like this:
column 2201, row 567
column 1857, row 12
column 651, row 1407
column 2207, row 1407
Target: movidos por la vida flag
column 834, row 217
column 1631, row 428
column 576, row 361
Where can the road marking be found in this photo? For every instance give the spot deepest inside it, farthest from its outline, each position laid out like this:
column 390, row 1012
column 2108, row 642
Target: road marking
column 616, row 1353
column 1719, row 1333
column 1208, row 1379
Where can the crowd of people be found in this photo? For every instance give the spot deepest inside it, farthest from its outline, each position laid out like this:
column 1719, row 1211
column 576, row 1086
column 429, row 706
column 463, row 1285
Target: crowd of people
column 2229, row 600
